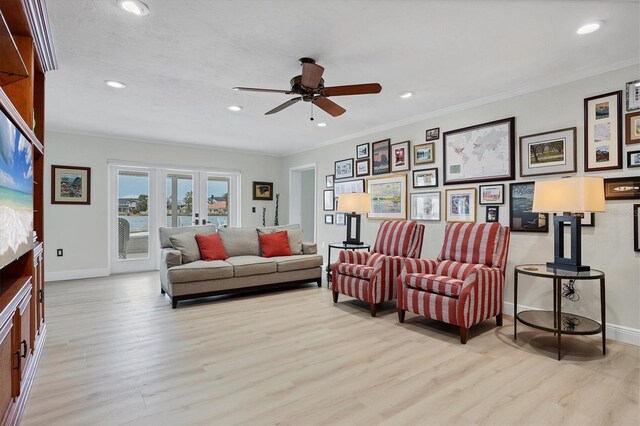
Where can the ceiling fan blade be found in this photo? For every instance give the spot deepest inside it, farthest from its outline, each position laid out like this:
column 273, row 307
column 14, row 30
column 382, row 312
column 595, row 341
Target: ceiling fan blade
column 329, row 107
column 353, row 89
column 311, row 75
column 253, row 89
column 284, row 105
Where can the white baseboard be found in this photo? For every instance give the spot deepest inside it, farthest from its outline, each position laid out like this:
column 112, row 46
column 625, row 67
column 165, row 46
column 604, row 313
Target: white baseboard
column 616, row 332
column 76, row 275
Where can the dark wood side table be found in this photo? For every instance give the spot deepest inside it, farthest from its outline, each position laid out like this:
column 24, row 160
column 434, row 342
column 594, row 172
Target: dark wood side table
column 555, row 321
column 342, row 246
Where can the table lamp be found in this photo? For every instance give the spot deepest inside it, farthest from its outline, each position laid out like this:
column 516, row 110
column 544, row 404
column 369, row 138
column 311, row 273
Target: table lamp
column 573, row 196
column 352, row 204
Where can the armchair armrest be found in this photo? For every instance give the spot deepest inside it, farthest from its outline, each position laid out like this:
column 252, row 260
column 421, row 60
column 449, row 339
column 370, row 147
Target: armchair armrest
column 352, row 256
column 420, row 266
column 485, row 288
column 383, row 280
column 171, row 257
column 309, row 248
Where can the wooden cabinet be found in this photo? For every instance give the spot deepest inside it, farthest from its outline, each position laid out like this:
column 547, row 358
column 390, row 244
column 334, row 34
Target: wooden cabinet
column 7, row 362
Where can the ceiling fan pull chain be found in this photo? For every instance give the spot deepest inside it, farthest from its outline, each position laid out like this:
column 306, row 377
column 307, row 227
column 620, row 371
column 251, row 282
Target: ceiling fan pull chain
column 311, row 105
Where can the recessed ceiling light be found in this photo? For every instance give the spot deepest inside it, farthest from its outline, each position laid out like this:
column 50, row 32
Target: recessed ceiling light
column 590, row 27
column 135, row 7
column 115, row 84
column 405, row 95
column 234, row 108
column 322, row 124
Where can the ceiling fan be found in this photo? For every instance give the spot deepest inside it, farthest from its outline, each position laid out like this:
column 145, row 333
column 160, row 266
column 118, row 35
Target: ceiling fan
column 310, row 88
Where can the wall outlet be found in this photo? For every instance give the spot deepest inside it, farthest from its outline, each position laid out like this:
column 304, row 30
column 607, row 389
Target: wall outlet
column 59, row 252
column 253, row 209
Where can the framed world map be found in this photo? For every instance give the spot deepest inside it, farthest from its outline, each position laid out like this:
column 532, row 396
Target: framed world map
column 480, row 153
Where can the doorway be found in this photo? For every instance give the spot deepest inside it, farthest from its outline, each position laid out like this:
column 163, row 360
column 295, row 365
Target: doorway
column 302, row 204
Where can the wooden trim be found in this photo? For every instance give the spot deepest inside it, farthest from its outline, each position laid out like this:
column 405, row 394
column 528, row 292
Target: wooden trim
column 18, row 121
column 38, row 19
column 10, row 298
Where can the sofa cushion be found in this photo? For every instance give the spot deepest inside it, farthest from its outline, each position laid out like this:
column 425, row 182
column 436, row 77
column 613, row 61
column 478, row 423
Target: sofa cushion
column 354, row 270
column 297, row 262
column 251, row 265
column 445, row 286
column 200, row 271
column 240, row 241
column 186, row 243
column 276, row 244
column 294, row 233
column 165, row 233
column 211, row 247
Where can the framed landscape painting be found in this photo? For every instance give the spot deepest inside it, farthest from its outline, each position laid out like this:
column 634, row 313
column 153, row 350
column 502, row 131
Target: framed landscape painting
column 632, row 128
column 425, row 206
column 388, row 197
column 481, row 153
column 424, row 154
column 70, row 185
column 381, row 153
column 492, row 194
column 400, row 156
column 603, row 132
column 460, row 205
column 521, row 218
column 548, row 153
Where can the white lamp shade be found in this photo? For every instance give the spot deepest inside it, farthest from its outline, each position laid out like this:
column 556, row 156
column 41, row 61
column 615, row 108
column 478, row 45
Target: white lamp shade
column 573, row 195
column 354, row 202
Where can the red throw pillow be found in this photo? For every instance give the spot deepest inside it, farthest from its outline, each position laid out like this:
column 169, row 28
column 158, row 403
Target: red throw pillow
column 276, row 244
column 211, row 247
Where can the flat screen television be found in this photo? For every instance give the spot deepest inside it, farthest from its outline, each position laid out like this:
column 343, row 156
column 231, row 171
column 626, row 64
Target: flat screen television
column 16, row 192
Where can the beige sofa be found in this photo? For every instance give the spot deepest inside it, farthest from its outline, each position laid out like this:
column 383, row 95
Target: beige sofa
column 183, row 276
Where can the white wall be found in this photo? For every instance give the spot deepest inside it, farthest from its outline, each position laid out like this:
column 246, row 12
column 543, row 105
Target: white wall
column 82, row 231
column 608, row 246
column 307, row 213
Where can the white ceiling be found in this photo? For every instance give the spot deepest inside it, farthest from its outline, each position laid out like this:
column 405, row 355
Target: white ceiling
column 181, row 61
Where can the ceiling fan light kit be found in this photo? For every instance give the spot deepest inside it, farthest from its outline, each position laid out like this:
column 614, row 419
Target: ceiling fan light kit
column 309, row 86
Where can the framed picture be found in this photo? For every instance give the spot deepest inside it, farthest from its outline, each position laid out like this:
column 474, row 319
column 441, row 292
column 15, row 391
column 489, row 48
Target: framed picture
column 343, row 169
column 425, row 178
column 603, row 132
column 460, row 205
column 548, row 153
column 493, row 214
column 388, row 197
column 381, row 154
column 362, row 167
column 362, row 151
column 263, row 191
column 424, row 154
column 624, row 188
column 329, row 181
column 400, row 156
column 492, row 194
column 328, row 203
column 425, row 206
column 433, row 134
column 328, row 219
column 589, row 219
column 521, row 218
column 348, row 186
column 636, row 227
column 340, row 219
column 633, row 159
column 632, row 128
column 481, row 153
column 633, row 95
column 70, row 185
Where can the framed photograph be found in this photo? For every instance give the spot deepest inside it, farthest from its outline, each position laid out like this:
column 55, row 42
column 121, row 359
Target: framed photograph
column 632, row 128
column 328, row 219
column 481, row 153
column 362, row 151
column 433, row 134
column 425, row 178
column 425, row 206
column 340, row 219
column 70, row 185
column 329, row 181
column 492, row 194
column 493, row 214
column 424, row 154
column 633, row 95
column 400, row 156
column 388, row 197
column 348, row 186
column 328, row 203
column 624, row 188
column 343, row 169
column 636, row 227
column 603, row 132
column 633, row 159
column 362, row 167
column 548, row 153
column 381, row 153
column 460, row 205
column 589, row 219
column 521, row 218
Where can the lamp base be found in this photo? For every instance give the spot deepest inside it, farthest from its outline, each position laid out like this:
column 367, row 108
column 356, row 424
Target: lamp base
column 353, row 229
column 568, row 267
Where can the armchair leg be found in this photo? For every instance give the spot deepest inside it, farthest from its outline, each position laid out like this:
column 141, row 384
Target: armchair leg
column 464, row 333
column 401, row 315
column 335, row 297
column 174, row 303
column 373, row 308
column 499, row 320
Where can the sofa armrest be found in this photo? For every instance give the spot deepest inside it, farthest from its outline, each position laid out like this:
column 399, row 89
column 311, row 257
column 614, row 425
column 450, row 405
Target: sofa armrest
column 171, row 257
column 309, row 248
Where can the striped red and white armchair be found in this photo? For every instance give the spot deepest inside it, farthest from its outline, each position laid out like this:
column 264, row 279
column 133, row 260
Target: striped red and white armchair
column 465, row 285
column 372, row 276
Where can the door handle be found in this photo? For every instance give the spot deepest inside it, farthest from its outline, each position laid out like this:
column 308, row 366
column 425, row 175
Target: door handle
column 17, row 353
column 41, row 295
column 24, row 345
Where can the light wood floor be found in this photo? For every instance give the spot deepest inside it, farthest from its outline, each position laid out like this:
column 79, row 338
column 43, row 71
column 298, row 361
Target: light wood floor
column 116, row 353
